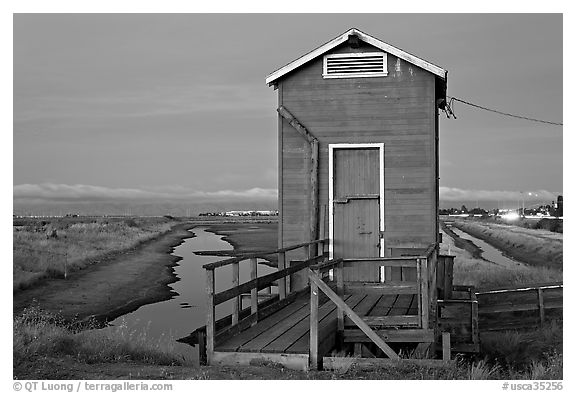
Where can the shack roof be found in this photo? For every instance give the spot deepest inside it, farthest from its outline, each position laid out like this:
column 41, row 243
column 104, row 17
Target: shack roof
column 434, row 69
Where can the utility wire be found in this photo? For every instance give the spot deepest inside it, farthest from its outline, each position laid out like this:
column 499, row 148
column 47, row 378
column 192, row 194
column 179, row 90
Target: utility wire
column 450, row 106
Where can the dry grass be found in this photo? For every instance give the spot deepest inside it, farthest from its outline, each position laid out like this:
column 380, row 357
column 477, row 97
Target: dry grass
column 77, row 244
column 37, row 334
column 530, row 354
column 537, row 247
column 521, row 349
column 483, row 275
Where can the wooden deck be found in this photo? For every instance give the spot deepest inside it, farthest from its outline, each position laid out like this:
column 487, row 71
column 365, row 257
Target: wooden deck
column 287, row 331
column 299, row 328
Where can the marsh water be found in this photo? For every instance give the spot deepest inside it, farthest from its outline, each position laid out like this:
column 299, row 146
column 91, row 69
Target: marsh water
column 177, row 317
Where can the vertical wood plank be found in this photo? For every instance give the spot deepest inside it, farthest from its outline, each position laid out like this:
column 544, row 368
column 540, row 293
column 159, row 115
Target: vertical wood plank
column 211, row 316
column 307, row 251
column 322, row 231
column 446, row 346
column 236, row 301
column 202, row 359
column 419, row 295
column 340, row 291
column 424, row 283
column 314, row 361
column 280, row 170
column 254, row 291
column 448, row 269
column 432, row 286
column 282, row 281
column 314, row 147
column 541, row 306
column 387, row 273
column 474, row 311
column 288, row 277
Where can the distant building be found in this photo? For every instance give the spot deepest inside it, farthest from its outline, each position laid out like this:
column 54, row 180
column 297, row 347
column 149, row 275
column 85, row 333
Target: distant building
column 241, row 213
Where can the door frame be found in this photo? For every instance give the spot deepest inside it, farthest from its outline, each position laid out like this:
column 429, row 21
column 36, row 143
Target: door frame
column 331, row 148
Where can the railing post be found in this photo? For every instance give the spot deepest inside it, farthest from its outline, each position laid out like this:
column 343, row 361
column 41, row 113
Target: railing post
column 474, row 311
column 419, row 279
column 541, row 311
column 307, row 251
column 236, row 302
column 254, row 291
column 202, row 347
column 339, row 275
column 446, row 346
column 314, row 361
column 424, row 291
column 282, row 281
column 211, row 319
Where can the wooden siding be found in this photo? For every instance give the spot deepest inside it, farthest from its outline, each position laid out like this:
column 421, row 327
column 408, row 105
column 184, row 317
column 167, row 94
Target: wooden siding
column 398, row 110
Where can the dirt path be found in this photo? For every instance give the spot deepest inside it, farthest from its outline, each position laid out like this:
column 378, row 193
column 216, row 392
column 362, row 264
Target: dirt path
column 112, row 287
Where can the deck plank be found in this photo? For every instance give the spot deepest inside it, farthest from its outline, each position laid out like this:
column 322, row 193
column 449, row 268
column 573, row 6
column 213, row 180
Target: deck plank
column 302, row 329
column 367, row 304
column 298, row 340
column 235, row 342
column 384, row 305
column 401, row 305
column 269, row 335
column 259, row 342
column 413, row 310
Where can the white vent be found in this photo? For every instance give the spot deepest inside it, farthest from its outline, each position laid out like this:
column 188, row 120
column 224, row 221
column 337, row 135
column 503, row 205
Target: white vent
column 355, row 65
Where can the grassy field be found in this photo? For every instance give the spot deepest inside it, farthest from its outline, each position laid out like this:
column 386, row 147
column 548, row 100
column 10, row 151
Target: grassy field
column 48, row 347
column 55, row 247
column 39, row 335
column 537, row 247
column 469, row 270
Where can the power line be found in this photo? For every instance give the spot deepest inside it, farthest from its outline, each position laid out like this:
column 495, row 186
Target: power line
column 450, row 111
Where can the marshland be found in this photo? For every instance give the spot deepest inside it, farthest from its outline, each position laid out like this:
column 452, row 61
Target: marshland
column 56, row 338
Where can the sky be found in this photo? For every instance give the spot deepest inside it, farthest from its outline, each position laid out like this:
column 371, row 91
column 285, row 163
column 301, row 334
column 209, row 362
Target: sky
column 155, row 113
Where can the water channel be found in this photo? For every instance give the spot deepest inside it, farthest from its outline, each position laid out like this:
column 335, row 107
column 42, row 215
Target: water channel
column 185, row 311
column 489, row 252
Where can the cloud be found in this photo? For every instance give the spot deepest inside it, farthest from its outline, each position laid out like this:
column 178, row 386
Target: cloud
column 49, row 192
column 458, row 194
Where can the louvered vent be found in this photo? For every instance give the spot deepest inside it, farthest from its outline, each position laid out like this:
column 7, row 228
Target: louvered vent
column 355, row 65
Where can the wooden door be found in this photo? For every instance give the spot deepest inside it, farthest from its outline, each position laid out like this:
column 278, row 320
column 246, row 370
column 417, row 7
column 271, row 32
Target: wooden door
column 356, row 206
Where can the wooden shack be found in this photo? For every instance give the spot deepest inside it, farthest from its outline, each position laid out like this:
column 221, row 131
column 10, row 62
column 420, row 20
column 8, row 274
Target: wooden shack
column 358, row 149
column 358, row 258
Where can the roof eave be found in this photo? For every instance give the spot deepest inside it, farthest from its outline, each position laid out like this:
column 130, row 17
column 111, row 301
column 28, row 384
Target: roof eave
column 434, row 69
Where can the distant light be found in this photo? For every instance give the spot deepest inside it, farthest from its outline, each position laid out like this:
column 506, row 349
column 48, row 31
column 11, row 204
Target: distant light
column 511, row 216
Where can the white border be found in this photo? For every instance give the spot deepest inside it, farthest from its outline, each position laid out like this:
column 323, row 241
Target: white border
column 373, row 74
column 331, row 148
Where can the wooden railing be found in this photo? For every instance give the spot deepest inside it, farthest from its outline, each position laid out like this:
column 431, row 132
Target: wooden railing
column 240, row 318
column 520, row 307
column 459, row 317
column 422, row 287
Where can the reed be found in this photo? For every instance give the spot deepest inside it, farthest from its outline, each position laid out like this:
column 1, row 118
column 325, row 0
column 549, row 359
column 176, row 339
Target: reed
column 55, row 248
